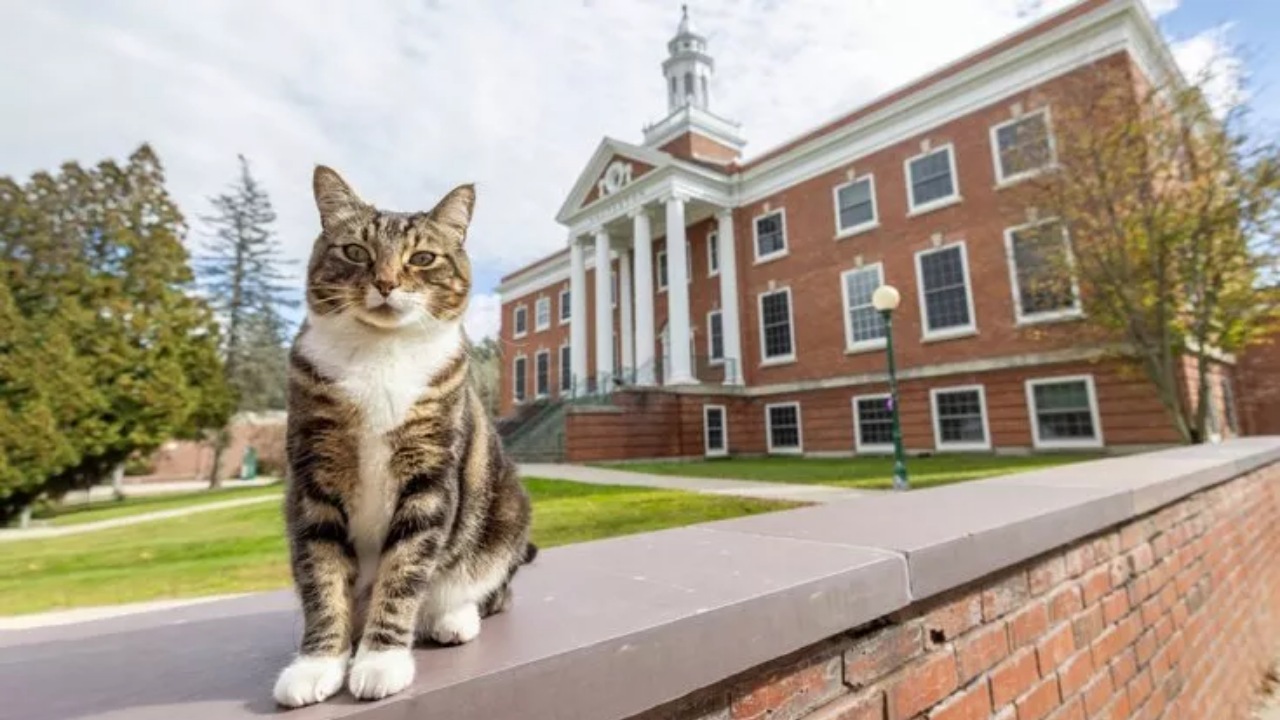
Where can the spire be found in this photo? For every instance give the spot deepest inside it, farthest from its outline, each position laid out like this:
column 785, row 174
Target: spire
column 685, row 27
column 688, row 69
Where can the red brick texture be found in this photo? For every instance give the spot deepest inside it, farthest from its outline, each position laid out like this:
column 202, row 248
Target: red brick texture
column 1175, row 615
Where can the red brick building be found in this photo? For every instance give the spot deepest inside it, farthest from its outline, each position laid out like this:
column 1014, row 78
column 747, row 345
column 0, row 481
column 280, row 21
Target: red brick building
column 736, row 315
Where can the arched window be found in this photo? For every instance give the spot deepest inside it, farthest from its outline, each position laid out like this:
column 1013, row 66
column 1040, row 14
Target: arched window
column 688, row 83
column 705, row 97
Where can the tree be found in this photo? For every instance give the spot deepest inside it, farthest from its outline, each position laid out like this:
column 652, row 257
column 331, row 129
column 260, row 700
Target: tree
column 486, row 363
column 1171, row 217
column 241, row 270
column 104, row 339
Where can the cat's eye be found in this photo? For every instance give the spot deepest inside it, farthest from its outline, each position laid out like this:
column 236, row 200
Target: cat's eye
column 422, row 258
column 355, row 253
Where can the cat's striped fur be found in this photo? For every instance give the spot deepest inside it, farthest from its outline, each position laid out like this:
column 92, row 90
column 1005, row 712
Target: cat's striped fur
column 405, row 518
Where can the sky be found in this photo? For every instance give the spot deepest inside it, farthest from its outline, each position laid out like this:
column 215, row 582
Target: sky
column 408, row 99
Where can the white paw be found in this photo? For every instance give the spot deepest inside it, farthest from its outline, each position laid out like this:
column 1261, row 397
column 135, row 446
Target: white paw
column 376, row 674
column 457, row 626
column 310, row 679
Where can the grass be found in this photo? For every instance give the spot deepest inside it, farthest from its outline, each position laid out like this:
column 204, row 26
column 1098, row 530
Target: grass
column 861, row 472
column 243, row 549
column 80, row 513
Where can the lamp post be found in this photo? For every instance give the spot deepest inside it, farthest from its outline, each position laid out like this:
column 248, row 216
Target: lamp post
column 885, row 299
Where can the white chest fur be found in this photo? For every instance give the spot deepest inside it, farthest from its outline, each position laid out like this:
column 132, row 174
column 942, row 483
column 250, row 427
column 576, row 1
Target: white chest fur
column 383, row 373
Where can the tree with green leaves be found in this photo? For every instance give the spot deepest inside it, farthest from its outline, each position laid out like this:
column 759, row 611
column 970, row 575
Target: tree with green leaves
column 486, row 363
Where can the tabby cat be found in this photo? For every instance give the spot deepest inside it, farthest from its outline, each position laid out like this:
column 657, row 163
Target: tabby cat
column 405, row 518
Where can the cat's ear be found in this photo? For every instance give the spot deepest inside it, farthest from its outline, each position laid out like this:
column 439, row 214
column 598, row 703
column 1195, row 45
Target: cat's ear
column 454, row 210
column 334, row 197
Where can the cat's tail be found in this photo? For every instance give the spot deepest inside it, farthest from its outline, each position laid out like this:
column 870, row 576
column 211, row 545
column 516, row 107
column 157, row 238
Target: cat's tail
column 530, row 552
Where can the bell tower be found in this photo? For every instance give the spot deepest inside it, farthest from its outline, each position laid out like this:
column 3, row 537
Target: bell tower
column 688, row 69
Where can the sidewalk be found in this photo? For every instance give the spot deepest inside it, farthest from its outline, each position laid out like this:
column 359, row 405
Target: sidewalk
column 709, row 486
column 105, row 492
column 8, row 535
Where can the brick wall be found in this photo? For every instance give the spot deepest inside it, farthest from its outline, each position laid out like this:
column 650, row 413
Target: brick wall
column 1258, row 388
column 1175, row 615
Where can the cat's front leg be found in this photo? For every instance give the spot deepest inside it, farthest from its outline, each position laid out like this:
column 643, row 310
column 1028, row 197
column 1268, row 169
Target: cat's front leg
column 383, row 664
column 324, row 570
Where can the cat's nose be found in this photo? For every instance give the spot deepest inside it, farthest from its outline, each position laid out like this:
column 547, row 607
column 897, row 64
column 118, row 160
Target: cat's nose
column 384, row 286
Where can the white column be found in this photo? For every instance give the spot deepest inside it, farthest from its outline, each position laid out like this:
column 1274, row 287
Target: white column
column 578, row 315
column 678, row 295
column 729, row 317
column 643, row 243
column 627, row 339
column 604, row 314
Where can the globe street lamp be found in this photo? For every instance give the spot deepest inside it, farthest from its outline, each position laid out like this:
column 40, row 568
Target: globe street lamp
column 886, row 299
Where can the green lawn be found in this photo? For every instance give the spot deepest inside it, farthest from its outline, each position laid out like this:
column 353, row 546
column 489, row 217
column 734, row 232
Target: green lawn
column 80, row 513
column 243, row 549
column 860, row 472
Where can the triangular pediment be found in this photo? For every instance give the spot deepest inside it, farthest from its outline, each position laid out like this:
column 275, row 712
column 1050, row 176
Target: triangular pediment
column 612, row 168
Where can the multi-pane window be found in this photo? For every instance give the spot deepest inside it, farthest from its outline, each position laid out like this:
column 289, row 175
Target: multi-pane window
column 518, row 386
column 771, row 235
column 944, row 289
column 776, row 342
column 566, row 309
column 1042, row 282
column 959, row 418
column 1023, row 146
column 521, row 320
column 715, row 337
column 1064, row 412
column 542, row 313
column 783, row 423
column 713, row 254
column 855, row 205
column 566, row 369
column 661, row 268
column 713, row 422
column 863, row 324
column 931, row 178
column 873, row 422
column 542, row 373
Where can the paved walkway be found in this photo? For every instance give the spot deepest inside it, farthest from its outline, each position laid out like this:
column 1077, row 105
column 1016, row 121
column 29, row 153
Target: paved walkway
column 709, row 486
column 106, row 492
column 59, row 531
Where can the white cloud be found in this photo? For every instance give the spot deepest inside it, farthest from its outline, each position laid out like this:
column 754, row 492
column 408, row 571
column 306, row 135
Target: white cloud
column 1209, row 58
column 409, row 99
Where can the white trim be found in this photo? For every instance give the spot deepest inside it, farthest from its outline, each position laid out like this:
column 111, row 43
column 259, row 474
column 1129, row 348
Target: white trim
column 1001, row 179
column 791, row 326
column 1095, row 442
column 755, row 236
column 958, row 330
column 515, row 374
column 560, row 366
column 566, row 310
column 538, row 325
column 660, row 269
column 873, row 223
column 541, row 395
column 936, row 203
column 711, row 358
column 768, row 429
column 1075, row 312
column 863, row 345
column 938, row 444
column 706, row 431
column 713, row 253
column 858, row 446
column 516, row 311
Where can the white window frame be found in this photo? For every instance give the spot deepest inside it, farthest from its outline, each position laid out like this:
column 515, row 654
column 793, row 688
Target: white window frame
column 517, row 361
column 858, row 446
column 768, row 429
column 560, row 366
column 517, row 311
column 707, row 450
column 1003, row 180
column 939, row 203
column 538, row 325
column 863, row 345
column 547, row 393
column 711, row 358
column 1074, row 312
column 1095, row 442
column 660, row 269
column 713, row 253
column 951, row 332
column 765, row 360
column 755, row 237
column 938, row 444
column 566, row 310
column 873, row 223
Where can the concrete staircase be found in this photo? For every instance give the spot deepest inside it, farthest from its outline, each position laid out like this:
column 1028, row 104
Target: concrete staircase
column 536, row 433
